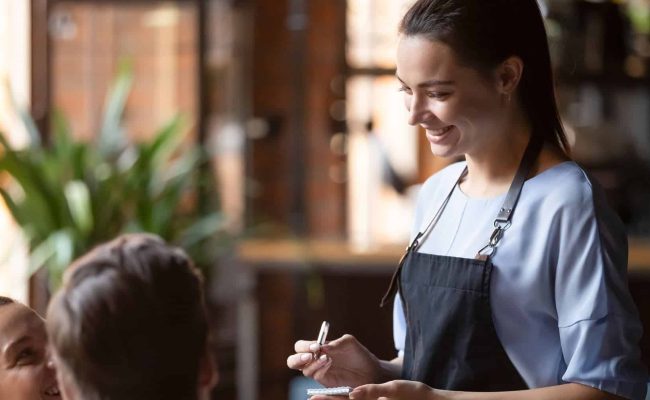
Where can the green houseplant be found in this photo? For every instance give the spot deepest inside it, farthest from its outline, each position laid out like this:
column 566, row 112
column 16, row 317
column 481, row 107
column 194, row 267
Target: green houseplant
column 68, row 196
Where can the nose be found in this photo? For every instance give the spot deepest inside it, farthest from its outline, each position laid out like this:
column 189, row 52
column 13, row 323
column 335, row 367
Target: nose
column 49, row 359
column 416, row 106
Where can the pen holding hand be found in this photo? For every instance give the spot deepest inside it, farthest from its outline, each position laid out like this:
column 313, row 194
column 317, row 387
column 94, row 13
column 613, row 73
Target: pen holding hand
column 340, row 362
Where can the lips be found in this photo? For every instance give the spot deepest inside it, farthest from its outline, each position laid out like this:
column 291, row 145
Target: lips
column 441, row 131
column 438, row 135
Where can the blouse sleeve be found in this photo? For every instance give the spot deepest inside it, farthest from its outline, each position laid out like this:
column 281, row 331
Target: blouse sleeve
column 597, row 319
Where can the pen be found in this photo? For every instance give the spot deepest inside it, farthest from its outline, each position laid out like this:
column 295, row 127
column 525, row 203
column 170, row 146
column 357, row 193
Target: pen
column 322, row 336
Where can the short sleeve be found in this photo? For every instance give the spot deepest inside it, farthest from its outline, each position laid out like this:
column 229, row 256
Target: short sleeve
column 597, row 319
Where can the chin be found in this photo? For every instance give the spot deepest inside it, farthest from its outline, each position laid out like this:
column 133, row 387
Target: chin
column 446, row 151
column 449, row 148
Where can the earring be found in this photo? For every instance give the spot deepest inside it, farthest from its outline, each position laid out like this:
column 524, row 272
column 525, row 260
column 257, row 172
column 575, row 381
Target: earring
column 507, row 98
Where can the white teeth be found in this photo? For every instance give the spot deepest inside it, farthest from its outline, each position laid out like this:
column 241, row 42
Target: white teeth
column 442, row 131
column 54, row 391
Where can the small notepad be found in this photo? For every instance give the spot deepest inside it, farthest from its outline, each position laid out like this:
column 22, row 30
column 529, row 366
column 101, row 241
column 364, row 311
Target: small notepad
column 334, row 391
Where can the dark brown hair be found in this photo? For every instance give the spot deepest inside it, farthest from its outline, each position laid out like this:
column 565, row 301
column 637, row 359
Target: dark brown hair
column 485, row 33
column 130, row 322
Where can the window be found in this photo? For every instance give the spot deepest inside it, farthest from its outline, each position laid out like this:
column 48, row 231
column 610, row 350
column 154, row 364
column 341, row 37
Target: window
column 89, row 40
column 14, row 77
column 383, row 148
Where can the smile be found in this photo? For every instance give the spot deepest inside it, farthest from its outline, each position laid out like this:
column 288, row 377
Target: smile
column 52, row 391
column 438, row 135
column 440, row 132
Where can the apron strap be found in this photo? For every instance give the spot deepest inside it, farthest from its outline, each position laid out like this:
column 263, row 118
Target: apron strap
column 501, row 223
column 504, row 218
column 415, row 244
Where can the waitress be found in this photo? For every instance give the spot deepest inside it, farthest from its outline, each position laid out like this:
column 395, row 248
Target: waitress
column 514, row 285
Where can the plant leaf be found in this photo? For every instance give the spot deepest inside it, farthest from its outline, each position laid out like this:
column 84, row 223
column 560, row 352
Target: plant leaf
column 111, row 137
column 78, row 196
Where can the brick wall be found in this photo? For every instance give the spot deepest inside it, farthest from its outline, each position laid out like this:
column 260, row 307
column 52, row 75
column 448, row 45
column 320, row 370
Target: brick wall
column 159, row 39
column 273, row 88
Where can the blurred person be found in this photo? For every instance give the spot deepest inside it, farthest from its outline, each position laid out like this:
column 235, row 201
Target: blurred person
column 130, row 323
column 514, row 285
column 26, row 372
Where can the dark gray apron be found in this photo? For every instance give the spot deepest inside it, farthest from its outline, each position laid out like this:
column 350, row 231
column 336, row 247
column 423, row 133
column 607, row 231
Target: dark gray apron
column 451, row 342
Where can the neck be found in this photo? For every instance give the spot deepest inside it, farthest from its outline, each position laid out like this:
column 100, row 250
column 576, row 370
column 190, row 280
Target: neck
column 492, row 168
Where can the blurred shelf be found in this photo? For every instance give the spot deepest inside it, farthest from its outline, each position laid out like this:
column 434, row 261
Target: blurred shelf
column 329, row 254
column 340, row 256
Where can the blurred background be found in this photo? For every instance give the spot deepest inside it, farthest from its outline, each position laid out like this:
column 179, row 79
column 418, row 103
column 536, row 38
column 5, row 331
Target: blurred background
column 268, row 138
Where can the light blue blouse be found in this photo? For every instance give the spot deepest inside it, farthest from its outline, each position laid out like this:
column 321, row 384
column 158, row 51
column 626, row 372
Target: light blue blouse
column 559, row 295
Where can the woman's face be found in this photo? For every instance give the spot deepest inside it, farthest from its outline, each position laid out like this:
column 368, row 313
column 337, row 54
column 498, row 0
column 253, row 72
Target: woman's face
column 460, row 109
column 25, row 370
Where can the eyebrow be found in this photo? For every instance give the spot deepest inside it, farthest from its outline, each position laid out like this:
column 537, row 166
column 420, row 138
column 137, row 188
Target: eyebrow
column 432, row 82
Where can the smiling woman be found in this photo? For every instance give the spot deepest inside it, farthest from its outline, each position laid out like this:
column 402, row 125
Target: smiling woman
column 26, row 372
column 514, row 285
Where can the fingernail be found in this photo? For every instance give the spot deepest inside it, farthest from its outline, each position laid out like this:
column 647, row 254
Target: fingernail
column 314, row 347
column 305, row 357
column 322, row 359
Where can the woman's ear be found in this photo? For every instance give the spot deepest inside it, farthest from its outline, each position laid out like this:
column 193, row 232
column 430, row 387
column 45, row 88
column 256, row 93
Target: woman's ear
column 508, row 75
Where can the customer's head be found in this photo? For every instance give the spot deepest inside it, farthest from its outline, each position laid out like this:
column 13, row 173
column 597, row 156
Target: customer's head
column 26, row 372
column 485, row 34
column 130, row 323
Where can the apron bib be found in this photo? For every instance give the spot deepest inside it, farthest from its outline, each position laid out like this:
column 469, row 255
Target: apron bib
column 451, row 342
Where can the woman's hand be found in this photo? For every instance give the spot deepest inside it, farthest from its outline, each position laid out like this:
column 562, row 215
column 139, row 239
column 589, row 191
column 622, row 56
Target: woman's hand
column 341, row 362
column 410, row 390
column 395, row 390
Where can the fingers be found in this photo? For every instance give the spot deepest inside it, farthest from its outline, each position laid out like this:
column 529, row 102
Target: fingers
column 393, row 390
column 306, row 352
column 300, row 360
column 331, row 347
column 345, row 339
column 302, row 346
column 311, row 346
column 304, row 355
column 311, row 358
column 318, row 368
column 389, row 390
column 312, row 367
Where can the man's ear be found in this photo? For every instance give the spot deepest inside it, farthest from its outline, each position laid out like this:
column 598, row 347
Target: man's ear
column 508, row 75
column 208, row 375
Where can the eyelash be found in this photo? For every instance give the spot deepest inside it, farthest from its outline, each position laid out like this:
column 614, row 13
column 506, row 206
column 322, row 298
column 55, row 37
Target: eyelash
column 437, row 95
column 431, row 95
column 26, row 356
column 404, row 89
column 26, row 353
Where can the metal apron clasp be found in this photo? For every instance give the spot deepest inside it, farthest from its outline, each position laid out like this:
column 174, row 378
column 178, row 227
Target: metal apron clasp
column 488, row 250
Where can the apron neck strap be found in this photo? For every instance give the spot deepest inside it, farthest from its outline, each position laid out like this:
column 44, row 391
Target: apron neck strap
column 504, row 218
column 525, row 166
column 501, row 223
column 415, row 244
